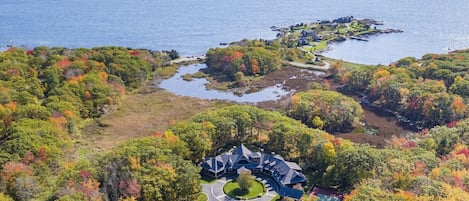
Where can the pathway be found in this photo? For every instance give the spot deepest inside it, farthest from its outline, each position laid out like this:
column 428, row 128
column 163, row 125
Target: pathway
column 214, row 191
column 310, row 66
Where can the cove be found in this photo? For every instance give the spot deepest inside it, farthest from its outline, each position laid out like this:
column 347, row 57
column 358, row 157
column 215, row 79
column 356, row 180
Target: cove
column 196, row 88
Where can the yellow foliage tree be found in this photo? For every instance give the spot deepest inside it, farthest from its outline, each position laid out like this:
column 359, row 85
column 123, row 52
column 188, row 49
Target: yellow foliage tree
column 381, row 73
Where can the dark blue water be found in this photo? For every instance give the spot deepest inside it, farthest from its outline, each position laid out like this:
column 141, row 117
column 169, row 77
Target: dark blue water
column 192, row 27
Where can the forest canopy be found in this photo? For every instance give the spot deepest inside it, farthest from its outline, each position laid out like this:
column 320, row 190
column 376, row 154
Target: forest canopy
column 251, row 60
column 47, row 95
column 429, row 92
column 328, row 110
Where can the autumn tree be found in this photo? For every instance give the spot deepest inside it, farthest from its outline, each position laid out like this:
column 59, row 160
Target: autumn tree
column 255, row 66
column 245, row 180
column 252, row 59
column 326, row 109
column 155, row 165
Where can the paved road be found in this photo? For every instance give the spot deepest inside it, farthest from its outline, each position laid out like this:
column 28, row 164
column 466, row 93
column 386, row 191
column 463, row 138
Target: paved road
column 214, row 191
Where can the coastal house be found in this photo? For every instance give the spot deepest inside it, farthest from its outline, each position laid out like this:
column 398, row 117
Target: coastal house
column 287, row 174
column 311, row 33
column 303, row 41
column 308, row 33
column 325, row 22
column 343, row 20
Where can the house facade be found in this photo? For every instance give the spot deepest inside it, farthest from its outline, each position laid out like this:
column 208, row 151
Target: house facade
column 312, row 34
column 286, row 174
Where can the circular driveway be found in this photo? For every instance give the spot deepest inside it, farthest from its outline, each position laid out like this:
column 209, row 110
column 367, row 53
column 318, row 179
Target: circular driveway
column 214, row 191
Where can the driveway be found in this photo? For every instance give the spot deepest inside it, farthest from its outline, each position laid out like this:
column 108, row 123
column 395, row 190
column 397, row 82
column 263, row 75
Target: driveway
column 214, row 191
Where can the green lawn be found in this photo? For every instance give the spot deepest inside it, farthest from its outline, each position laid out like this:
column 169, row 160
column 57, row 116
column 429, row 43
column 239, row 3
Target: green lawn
column 319, row 46
column 202, row 197
column 276, row 198
column 232, row 189
column 207, row 180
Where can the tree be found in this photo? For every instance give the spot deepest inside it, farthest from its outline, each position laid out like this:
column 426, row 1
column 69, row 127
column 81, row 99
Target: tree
column 445, row 138
column 352, row 165
column 406, row 61
column 153, row 164
column 326, row 109
column 4, row 197
column 26, row 188
column 255, row 67
column 173, row 54
column 252, row 60
column 240, row 79
column 245, row 180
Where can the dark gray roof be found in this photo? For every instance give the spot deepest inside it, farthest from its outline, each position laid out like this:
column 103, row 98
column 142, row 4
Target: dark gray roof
column 215, row 164
column 290, row 192
column 286, row 173
column 308, row 32
column 242, row 150
column 255, row 155
column 293, row 165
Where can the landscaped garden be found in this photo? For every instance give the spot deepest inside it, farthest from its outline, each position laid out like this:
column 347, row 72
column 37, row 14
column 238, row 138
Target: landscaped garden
column 233, row 190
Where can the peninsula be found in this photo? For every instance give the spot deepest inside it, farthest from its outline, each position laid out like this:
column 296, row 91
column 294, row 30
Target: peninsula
column 314, row 37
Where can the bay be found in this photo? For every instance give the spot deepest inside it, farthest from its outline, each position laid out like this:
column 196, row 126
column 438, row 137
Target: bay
column 196, row 88
column 192, row 27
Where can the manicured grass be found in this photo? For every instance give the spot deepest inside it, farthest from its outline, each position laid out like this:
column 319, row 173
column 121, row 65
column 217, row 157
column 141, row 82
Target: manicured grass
column 319, row 46
column 202, row 197
column 207, row 180
column 232, row 189
column 276, row 198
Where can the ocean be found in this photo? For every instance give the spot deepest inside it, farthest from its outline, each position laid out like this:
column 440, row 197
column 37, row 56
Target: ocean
column 192, row 27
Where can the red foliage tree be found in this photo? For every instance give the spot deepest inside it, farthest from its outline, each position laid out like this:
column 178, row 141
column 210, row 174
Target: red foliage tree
column 130, row 188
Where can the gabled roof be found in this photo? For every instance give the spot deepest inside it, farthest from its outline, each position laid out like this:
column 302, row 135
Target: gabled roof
column 255, row 155
column 293, row 177
column 240, row 153
column 286, row 173
column 290, row 192
column 242, row 150
column 214, row 164
column 293, row 165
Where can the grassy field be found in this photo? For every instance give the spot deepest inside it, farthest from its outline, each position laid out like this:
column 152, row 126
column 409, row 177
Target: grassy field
column 141, row 114
column 232, row 189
